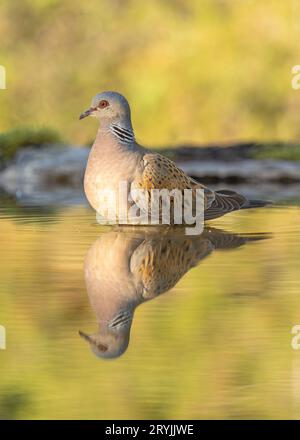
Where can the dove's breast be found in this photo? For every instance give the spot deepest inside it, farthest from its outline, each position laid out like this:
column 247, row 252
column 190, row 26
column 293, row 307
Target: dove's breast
column 108, row 170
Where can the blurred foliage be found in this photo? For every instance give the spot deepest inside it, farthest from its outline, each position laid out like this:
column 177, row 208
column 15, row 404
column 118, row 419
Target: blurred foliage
column 12, row 140
column 13, row 402
column 278, row 150
column 215, row 346
column 193, row 71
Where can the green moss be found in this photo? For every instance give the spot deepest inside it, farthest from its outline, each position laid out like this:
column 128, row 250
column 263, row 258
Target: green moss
column 13, row 140
column 277, row 150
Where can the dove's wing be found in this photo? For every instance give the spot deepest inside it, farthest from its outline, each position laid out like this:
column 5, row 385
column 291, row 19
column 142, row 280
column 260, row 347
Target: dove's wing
column 225, row 201
column 160, row 172
column 158, row 264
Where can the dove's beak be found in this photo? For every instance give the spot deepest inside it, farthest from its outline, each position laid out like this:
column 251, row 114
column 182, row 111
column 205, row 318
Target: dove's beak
column 91, row 339
column 85, row 336
column 87, row 113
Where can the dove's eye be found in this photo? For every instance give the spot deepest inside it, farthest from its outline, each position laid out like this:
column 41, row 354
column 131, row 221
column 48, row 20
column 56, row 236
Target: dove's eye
column 103, row 104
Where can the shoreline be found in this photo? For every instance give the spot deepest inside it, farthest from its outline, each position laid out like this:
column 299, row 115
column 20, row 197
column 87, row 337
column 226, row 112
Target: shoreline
column 55, row 168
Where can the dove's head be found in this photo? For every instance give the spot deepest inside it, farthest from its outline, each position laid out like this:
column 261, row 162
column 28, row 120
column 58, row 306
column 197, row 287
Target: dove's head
column 109, row 107
column 108, row 344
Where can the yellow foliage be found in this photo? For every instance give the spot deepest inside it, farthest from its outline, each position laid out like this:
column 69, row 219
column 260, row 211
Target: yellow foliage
column 193, row 71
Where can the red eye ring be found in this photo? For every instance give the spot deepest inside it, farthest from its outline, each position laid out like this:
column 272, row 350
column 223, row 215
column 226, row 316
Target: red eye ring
column 103, row 104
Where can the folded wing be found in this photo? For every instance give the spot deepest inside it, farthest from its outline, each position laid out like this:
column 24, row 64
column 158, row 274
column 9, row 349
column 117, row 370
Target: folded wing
column 159, row 172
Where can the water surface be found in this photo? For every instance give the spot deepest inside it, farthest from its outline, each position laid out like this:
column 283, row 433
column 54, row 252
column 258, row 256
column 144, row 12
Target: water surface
column 210, row 317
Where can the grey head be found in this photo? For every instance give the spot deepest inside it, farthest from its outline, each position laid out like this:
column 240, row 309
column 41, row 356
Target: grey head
column 112, row 338
column 109, row 108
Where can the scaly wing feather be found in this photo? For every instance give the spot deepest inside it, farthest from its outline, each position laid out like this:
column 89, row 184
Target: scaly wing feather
column 160, row 172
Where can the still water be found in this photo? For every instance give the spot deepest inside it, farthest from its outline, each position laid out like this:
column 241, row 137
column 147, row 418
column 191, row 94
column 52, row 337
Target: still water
column 171, row 326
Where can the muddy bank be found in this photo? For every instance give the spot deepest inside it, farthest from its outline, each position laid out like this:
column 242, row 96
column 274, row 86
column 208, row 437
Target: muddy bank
column 56, row 171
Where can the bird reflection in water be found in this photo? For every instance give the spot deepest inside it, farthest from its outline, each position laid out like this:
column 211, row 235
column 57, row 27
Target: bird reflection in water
column 125, row 268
